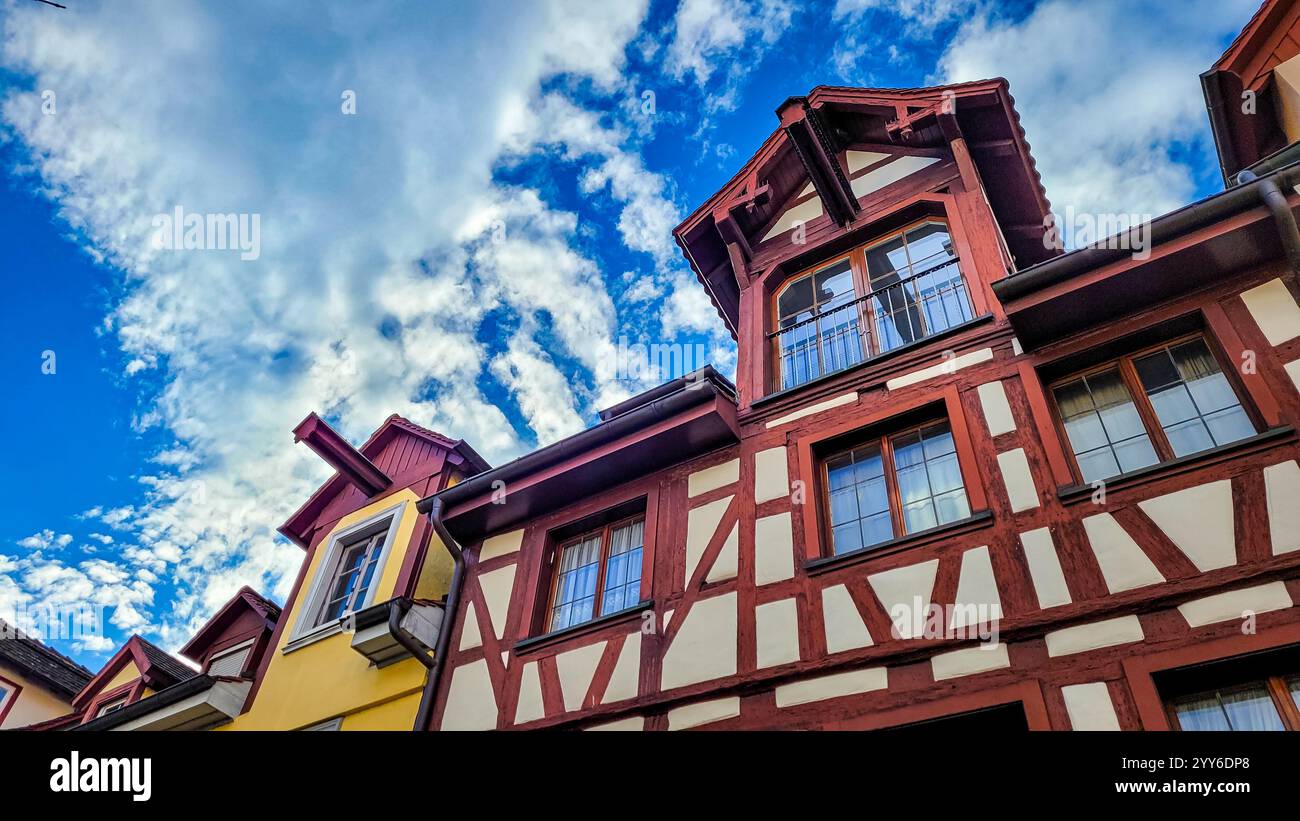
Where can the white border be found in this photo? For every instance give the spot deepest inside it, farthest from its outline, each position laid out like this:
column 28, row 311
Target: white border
column 303, row 635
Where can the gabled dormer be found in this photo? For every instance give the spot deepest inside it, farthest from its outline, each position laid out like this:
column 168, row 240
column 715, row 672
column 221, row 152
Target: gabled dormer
column 870, row 221
column 135, row 672
column 232, row 642
column 1252, row 92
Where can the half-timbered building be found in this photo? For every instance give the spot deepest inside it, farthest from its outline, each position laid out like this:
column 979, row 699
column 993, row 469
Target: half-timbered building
column 961, row 477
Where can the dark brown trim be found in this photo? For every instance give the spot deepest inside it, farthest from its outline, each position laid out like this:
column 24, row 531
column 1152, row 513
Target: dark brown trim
column 600, row 622
column 828, row 564
column 1173, row 467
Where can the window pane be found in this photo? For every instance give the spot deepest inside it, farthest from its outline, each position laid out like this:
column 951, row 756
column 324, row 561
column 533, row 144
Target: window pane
column 1103, row 426
column 952, row 506
column 873, row 497
column 1192, row 398
column 1201, row 713
column 846, row 538
column 834, row 284
column 919, row 516
column 913, row 484
column 1135, row 453
column 796, row 298
column 1189, row 437
column 858, row 499
column 929, row 245
column 1251, row 708
column 1294, row 686
column 1173, row 404
column 623, row 575
column 1085, row 432
column 876, row 529
column 575, row 589
column 1247, row 707
column 885, row 261
column 1099, row 464
column 929, row 478
column 945, row 473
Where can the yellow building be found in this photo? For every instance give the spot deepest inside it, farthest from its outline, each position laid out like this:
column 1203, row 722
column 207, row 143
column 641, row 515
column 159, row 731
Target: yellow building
column 354, row 644
column 37, row 684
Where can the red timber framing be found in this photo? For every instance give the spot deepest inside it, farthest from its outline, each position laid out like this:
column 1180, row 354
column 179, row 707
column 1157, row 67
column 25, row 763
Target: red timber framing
column 12, row 691
column 747, row 620
column 725, row 239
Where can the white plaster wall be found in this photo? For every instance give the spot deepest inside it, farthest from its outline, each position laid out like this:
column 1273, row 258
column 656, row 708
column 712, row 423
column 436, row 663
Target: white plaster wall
column 777, row 627
column 1045, row 568
column 705, row 645
column 1199, row 521
column 1123, row 564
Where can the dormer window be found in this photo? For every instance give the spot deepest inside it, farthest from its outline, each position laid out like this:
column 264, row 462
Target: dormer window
column 891, row 292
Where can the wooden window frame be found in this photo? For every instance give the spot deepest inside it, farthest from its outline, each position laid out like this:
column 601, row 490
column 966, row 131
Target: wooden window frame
column 861, row 277
column 884, row 438
column 112, row 705
column 606, row 542
column 1283, row 702
column 247, row 645
column 1141, row 402
column 944, row 403
column 306, row 628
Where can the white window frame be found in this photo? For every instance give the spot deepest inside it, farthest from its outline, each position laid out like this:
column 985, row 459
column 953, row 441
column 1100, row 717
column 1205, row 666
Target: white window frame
column 112, row 706
column 331, row 725
column 7, row 693
column 304, row 631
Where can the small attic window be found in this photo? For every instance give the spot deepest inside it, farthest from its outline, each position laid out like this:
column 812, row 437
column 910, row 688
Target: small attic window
column 231, row 661
column 113, row 706
column 348, row 575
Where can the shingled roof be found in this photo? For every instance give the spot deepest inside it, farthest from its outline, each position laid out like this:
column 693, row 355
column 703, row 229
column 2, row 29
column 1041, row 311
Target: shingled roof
column 166, row 662
column 60, row 673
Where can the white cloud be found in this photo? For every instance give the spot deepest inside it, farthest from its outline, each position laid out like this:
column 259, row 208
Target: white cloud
column 45, row 540
column 724, row 38
column 864, row 47
column 1107, row 91
column 377, row 266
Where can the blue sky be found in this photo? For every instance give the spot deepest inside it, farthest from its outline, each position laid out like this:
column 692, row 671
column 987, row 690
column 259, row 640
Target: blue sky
column 467, row 248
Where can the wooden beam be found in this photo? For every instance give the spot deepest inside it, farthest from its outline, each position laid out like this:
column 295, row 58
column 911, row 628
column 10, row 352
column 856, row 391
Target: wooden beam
column 340, row 455
column 812, row 143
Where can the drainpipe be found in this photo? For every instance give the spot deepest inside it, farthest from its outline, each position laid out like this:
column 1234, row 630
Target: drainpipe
column 425, row 713
column 397, row 610
column 1273, row 197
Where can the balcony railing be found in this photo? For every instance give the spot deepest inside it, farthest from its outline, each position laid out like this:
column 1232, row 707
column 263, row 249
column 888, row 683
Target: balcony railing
column 889, row 317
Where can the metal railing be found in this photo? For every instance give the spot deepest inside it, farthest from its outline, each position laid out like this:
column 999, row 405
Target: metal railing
column 889, row 317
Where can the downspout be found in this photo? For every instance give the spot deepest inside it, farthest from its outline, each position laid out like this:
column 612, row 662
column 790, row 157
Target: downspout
column 425, row 713
column 1273, row 197
column 397, row 610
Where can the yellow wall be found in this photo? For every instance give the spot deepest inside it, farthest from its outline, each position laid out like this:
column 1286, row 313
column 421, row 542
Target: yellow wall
column 34, row 703
column 327, row 678
column 1286, row 80
column 126, row 675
